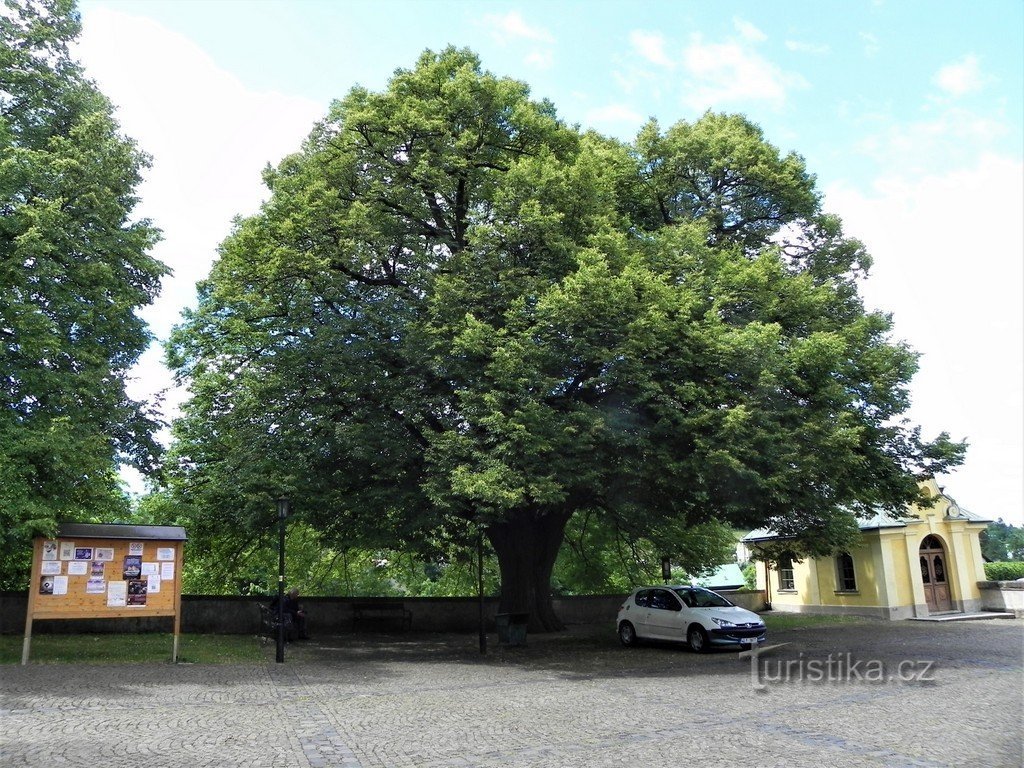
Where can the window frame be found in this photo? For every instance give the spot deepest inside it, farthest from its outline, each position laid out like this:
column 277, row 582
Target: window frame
column 664, row 600
column 786, row 575
column 845, row 574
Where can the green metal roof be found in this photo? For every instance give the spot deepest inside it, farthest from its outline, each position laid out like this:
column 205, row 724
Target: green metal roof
column 880, row 519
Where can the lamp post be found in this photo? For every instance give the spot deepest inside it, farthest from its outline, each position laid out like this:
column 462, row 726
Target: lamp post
column 282, row 517
column 480, row 588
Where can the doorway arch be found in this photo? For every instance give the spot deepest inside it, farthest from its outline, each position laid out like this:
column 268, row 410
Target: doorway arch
column 935, row 574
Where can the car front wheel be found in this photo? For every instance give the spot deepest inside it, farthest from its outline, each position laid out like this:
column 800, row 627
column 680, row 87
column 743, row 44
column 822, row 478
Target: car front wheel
column 627, row 635
column 697, row 637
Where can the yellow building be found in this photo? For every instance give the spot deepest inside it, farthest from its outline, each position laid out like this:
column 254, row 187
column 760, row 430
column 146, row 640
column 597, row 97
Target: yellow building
column 922, row 564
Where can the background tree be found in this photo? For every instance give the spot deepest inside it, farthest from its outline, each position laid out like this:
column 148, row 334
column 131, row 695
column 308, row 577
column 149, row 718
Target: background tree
column 1001, row 542
column 595, row 559
column 456, row 313
column 73, row 270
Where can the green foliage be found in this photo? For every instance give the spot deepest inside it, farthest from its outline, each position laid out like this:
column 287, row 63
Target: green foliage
column 720, row 171
column 599, row 558
column 74, row 270
column 232, row 562
column 1008, row 571
column 457, row 314
column 831, row 535
column 750, row 575
column 1002, row 542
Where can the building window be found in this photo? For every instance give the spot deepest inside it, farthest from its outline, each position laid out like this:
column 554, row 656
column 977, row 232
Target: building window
column 787, row 583
column 846, row 578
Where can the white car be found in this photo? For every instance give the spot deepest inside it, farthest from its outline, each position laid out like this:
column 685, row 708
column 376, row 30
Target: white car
column 694, row 615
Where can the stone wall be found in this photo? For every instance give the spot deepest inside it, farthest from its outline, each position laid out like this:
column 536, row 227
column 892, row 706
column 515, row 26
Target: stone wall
column 1005, row 596
column 327, row 615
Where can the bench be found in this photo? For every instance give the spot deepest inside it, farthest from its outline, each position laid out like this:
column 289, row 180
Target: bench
column 381, row 611
column 268, row 624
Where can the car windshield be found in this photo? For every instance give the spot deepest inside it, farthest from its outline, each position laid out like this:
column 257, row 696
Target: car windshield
column 696, row 597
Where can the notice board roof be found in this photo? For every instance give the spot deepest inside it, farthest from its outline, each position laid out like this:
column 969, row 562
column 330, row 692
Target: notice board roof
column 120, row 531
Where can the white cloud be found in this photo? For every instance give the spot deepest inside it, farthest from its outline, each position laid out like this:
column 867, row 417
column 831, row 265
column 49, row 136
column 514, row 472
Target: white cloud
column 614, row 116
column 210, row 138
column 798, row 46
column 635, row 77
column 540, row 59
column 629, row 79
column 951, row 138
column 512, row 25
column 948, row 251
column 960, row 77
column 748, row 31
column 729, row 72
column 871, row 44
column 651, row 46
column 713, row 73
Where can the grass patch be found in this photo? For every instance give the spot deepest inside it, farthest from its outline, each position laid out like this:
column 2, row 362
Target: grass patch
column 148, row 648
column 778, row 621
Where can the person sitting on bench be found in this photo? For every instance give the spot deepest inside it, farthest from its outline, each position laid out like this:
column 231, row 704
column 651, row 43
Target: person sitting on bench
column 296, row 611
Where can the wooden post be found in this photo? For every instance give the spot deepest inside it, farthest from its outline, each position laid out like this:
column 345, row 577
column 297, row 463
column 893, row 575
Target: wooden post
column 33, row 591
column 27, row 643
column 178, row 561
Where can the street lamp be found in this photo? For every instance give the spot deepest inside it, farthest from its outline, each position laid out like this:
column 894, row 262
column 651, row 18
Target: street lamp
column 480, row 588
column 282, row 517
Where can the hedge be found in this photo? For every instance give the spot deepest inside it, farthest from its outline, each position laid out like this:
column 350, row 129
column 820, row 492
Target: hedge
column 1007, row 571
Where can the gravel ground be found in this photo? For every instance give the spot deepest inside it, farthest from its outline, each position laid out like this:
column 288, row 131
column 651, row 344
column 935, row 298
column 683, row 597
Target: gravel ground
column 865, row 694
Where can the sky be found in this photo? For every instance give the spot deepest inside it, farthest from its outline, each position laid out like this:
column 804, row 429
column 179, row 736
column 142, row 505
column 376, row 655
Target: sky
column 909, row 114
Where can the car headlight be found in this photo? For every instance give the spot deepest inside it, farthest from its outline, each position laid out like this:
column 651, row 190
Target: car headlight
column 723, row 623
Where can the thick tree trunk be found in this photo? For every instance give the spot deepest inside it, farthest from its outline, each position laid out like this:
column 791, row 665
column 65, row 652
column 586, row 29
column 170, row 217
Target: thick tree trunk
column 527, row 545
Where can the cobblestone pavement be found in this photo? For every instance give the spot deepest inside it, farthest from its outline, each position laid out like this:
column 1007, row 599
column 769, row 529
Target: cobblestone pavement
column 575, row 699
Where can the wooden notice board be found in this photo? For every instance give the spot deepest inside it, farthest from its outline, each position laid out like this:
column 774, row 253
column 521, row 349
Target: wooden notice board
column 93, row 571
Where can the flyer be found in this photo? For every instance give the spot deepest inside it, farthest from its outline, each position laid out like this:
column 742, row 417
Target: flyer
column 49, row 550
column 78, row 568
column 97, row 568
column 135, row 548
column 83, row 553
column 67, row 550
column 167, row 571
column 117, row 594
column 152, row 584
column 46, row 585
column 52, row 567
column 136, row 592
column 60, row 585
column 95, row 585
column 132, row 566
column 104, row 554
column 165, row 553
column 150, row 569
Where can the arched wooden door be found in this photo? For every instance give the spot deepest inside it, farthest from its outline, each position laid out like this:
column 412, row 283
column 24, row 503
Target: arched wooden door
column 934, row 574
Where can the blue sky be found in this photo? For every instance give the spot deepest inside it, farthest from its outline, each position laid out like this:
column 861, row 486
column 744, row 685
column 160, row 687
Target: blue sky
column 909, row 113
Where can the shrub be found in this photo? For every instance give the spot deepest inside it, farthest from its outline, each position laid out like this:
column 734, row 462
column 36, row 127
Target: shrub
column 1008, row 571
column 750, row 575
